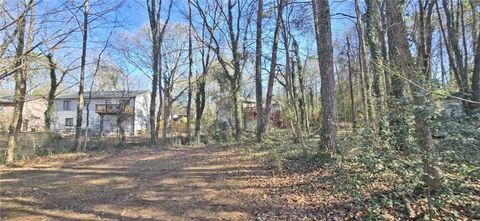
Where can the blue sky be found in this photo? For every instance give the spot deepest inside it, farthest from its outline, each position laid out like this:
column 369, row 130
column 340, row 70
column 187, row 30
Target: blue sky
column 133, row 15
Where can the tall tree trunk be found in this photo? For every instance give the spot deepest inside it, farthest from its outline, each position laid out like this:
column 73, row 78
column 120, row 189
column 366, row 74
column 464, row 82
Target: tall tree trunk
column 199, row 104
column 476, row 76
column 78, row 126
column 290, row 87
column 237, row 103
column 19, row 98
column 258, row 73
column 442, row 65
column 452, row 42
column 26, row 64
column 273, row 64
column 451, row 59
column 372, row 35
column 350, row 84
column 398, row 121
column 406, row 68
column 301, row 81
column 166, row 118
column 200, row 96
column 190, row 74
column 157, row 34
column 235, row 80
column 466, row 58
column 153, row 96
column 51, row 93
column 364, row 70
column 382, row 27
column 424, row 42
column 161, row 88
column 328, row 133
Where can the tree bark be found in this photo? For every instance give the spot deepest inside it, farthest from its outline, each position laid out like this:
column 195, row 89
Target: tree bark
column 424, row 42
column 153, row 10
column 383, row 26
column 398, row 122
column 372, row 34
column 162, row 97
column 290, row 87
column 78, row 126
column 155, row 57
column 26, row 64
column 406, row 68
column 51, row 92
column 190, row 74
column 199, row 105
column 364, row 70
column 350, row 84
column 166, row 118
column 456, row 56
column 328, row 132
column 301, row 81
column 258, row 74
column 237, row 103
column 237, row 72
column 273, row 64
column 19, row 98
column 476, row 76
column 200, row 96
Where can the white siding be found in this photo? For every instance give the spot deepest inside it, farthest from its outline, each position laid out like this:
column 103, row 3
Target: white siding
column 142, row 108
column 110, row 121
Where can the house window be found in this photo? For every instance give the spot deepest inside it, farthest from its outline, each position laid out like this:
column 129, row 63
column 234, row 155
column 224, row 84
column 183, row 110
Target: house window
column 69, row 122
column 67, row 105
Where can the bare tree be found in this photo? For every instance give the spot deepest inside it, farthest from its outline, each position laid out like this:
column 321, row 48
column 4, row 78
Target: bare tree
column 350, row 84
column 173, row 71
column 19, row 81
column 206, row 58
column 157, row 32
column 78, row 126
column 190, row 73
column 273, row 63
column 55, row 82
column 454, row 52
column 229, row 22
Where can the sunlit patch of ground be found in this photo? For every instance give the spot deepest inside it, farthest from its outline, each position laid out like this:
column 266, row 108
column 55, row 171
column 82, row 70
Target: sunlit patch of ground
column 176, row 184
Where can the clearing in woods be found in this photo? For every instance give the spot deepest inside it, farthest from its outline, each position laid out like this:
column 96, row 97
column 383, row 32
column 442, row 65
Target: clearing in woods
column 172, row 184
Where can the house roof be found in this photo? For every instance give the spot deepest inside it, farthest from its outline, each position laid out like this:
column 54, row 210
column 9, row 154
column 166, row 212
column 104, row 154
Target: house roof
column 104, row 94
column 11, row 99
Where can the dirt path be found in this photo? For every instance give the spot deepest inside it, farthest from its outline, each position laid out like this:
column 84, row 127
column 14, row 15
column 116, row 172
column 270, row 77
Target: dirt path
column 177, row 184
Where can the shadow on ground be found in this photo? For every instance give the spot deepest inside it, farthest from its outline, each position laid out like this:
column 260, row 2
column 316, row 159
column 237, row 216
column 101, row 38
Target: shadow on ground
column 178, row 184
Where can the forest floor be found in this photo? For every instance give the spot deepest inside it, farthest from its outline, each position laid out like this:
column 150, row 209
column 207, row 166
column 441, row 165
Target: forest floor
column 236, row 182
column 147, row 184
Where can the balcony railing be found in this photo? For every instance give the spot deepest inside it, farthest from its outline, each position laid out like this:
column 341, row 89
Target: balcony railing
column 113, row 109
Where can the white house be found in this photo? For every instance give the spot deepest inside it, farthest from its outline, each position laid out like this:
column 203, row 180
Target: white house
column 105, row 110
column 33, row 113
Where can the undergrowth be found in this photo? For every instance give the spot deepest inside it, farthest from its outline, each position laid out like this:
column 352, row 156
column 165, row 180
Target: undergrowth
column 384, row 183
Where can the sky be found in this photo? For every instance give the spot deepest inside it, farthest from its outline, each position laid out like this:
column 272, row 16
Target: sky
column 134, row 16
